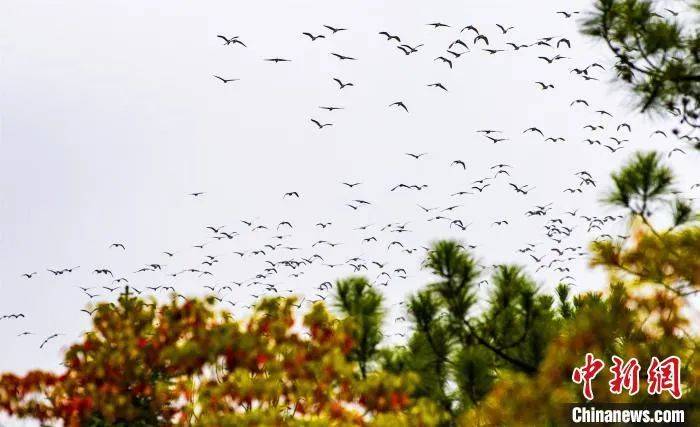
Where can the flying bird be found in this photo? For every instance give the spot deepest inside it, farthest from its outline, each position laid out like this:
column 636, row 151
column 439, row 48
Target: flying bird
column 445, row 60
column 343, row 57
column 342, row 85
column 313, row 37
column 320, row 125
column 503, row 29
column 225, row 80
column 438, row 85
column 481, row 37
column 335, row 30
column 389, row 36
column 399, row 104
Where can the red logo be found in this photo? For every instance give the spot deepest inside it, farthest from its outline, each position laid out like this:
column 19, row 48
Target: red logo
column 625, row 376
column 664, row 375
column 586, row 373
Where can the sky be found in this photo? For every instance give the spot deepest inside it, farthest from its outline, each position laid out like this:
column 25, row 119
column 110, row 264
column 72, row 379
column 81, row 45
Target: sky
column 110, row 116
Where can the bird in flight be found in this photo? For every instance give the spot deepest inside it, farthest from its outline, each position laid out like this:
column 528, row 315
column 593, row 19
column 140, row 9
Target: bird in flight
column 389, row 36
column 277, row 60
column 29, row 275
column 313, row 37
column 533, row 129
column 196, row 194
column 496, row 140
column 675, row 150
column 226, row 80
column 503, row 29
column 399, row 104
column 564, row 41
column 342, row 85
column 438, row 25
column 481, row 37
column 49, row 338
column 117, row 245
column 416, row 156
column 517, row 46
column 343, row 57
column 321, row 125
column 445, row 60
column 335, row 30
column 459, row 163
column 291, row 194
column 545, row 86
column 567, row 14
column 331, row 108
column 232, row 41
column 438, row 85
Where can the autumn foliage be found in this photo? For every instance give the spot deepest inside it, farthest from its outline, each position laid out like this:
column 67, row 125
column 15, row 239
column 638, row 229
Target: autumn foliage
column 186, row 364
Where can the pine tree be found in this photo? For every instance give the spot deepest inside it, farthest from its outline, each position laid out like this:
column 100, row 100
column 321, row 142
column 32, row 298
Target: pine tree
column 656, row 54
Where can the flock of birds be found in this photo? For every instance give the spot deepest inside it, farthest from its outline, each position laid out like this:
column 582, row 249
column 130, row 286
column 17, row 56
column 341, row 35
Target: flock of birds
column 564, row 232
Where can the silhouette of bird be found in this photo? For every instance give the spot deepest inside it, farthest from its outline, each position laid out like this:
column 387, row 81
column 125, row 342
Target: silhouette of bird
column 335, row 30
column 416, row 156
column 503, row 29
column 567, row 14
column 545, row 86
column 226, row 80
column 481, row 37
column 564, row 41
column 389, row 36
column 445, row 60
column 459, row 163
column 438, row 85
column 49, row 338
column 399, row 104
column 341, row 84
column 343, row 57
column 320, row 126
column 313, row 37
column 533, row 129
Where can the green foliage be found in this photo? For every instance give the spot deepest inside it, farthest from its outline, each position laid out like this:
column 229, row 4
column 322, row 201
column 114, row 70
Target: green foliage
column 651, row 254
column 463, row 337
column 356, row 299
column 658, row 56
column 643, row 181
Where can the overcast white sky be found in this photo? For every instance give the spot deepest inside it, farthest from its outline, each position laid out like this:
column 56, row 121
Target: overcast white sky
column 110, row 116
